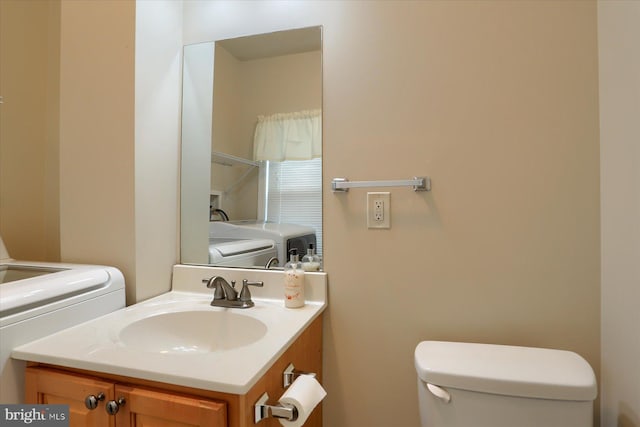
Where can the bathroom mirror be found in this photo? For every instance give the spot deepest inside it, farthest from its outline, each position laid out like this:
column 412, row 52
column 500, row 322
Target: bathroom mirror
column 251, row 187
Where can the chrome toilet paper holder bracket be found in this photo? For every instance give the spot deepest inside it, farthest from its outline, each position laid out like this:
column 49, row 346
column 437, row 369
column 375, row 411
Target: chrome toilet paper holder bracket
column 291, row 373
column 282, row 410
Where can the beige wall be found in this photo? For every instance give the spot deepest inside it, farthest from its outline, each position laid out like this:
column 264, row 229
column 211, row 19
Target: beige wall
column 97, row 135
column 243, row 91
column 498, row 103
column 618, row 35
column 120, row 130
column 284, row 84
column 68, row 189
column 29, row 72
column 225, row 138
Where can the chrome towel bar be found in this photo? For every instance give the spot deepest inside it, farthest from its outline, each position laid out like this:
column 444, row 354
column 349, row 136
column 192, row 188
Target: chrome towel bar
column 419, row 183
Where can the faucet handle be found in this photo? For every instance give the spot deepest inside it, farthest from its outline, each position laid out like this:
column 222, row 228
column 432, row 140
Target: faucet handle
column 212, row 283
column 245, row 294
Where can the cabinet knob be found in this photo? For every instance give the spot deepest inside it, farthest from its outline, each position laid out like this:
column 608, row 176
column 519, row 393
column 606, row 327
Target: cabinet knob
column 91, row 401
column 113, row 406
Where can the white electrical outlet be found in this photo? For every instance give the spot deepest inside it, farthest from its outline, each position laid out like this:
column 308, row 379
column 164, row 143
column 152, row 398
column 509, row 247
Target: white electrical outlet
column 379, row 210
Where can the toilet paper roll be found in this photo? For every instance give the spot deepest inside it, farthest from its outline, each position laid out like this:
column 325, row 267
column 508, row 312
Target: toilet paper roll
column 305, row 393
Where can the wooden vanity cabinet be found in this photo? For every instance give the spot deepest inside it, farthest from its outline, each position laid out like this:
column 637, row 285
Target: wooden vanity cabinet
column 44, row 386
column 150, row 403
column 143, row 407
column 152, row 408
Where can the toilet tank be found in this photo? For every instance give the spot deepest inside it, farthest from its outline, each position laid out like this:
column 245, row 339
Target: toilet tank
column 487, row 385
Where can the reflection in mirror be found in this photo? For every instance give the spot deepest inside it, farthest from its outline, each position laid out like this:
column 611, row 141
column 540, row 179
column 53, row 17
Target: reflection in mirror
column 251, row 187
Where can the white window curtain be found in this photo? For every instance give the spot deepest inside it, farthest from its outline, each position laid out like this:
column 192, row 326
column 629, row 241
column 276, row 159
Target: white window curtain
column 288, row 136
column 294, row 194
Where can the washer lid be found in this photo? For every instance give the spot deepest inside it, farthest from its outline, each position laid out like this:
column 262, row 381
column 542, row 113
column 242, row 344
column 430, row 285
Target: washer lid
column 237, row 247
column 55, row 284
column 507, row 370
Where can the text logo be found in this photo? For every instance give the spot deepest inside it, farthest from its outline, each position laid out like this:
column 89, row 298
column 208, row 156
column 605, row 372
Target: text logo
column 36, row 415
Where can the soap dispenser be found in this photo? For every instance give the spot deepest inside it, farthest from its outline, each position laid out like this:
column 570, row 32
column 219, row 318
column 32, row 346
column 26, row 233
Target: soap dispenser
column 311, row 261
column 293, row 281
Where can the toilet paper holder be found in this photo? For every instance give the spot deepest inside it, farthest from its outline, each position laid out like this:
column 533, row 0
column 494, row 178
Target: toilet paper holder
column 281, row 410
column 291, row 373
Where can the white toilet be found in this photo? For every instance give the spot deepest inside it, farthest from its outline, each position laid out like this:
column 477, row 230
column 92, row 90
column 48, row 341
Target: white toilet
column 485, row 385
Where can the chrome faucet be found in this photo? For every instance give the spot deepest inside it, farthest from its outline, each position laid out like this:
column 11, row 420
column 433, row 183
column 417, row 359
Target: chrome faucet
column 223, row 291
column 225, row 294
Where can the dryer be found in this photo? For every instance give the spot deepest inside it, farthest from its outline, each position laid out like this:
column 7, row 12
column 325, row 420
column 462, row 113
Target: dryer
column 40, row 298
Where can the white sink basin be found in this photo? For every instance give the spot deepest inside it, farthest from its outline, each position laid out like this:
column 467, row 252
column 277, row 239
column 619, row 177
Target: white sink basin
column 192, row 332
column 179, row 338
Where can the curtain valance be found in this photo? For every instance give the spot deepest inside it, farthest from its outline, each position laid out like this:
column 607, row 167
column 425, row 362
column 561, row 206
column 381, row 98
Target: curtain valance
column 288, row 136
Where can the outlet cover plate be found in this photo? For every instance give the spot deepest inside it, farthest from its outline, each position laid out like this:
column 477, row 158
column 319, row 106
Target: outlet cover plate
column 379, row 209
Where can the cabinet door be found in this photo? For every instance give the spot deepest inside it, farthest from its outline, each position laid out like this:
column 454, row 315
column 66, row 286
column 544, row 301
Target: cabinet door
column 55, row 388
column 149, row 408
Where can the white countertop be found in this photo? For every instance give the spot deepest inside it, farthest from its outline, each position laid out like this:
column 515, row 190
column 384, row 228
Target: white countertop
column 96, row 345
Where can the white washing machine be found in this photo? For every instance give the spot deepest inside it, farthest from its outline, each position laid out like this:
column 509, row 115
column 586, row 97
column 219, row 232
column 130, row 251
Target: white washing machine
column 248, row 253
column 285, row 236
column 38, row 299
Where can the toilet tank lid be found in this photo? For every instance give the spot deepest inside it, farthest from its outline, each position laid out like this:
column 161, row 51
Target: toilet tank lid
column 506, row 370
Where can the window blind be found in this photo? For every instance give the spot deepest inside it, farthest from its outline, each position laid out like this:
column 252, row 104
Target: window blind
column 294, row 194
